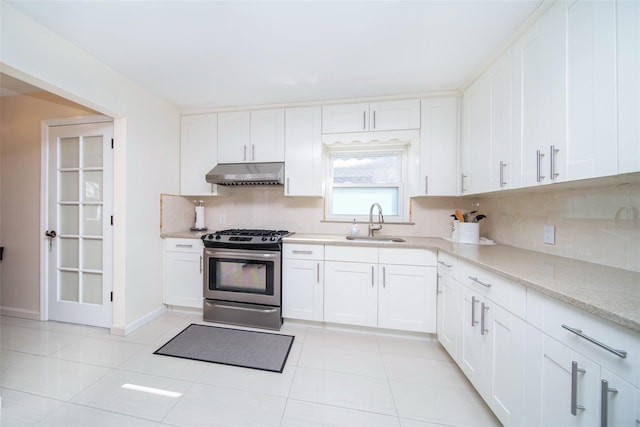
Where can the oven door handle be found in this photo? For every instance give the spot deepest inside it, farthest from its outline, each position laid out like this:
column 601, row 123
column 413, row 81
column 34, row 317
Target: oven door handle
column 252, row 309
column 250, row 255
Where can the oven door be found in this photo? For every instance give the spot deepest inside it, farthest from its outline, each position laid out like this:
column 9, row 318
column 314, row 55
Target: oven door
column 249, row 276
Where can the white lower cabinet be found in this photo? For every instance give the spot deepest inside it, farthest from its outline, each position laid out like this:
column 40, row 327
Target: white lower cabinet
column 360, row 291
column 183, row 272
column 303, row 282
column 448, row 313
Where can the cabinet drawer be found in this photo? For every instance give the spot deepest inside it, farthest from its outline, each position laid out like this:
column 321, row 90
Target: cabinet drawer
column 501, row 291
column 447, row 264
column 351, row 254
column 183, row 245
column 298, row 251
column 406, row 256
column 606, row 333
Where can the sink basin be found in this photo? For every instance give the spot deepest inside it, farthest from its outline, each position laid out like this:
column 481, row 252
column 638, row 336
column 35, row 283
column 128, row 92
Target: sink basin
column 382, row 239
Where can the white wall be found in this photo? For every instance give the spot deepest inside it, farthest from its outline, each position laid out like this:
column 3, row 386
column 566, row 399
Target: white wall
column 147, row 153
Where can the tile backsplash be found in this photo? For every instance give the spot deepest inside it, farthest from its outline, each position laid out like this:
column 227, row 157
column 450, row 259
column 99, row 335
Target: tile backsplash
column 599, row 224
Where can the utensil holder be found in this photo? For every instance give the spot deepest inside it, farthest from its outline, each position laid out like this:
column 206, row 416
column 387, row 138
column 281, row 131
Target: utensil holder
column 466, row 232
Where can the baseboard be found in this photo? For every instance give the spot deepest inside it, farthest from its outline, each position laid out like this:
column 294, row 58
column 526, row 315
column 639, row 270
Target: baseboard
column 131, row 327
column 19, row 312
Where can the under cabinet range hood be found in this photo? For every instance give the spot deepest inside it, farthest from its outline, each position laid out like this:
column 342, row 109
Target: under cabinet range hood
column 247, row 174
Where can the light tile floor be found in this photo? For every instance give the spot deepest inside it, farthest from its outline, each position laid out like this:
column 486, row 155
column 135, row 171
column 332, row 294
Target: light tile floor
column 56, row 374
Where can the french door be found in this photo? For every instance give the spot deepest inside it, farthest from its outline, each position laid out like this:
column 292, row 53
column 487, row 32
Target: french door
column 78, row 238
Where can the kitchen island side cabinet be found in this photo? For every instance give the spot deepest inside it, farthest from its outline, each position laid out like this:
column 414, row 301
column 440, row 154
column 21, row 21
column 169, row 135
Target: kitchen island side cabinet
column 303, row 152
column 377, row 116
column 198, row 154
column 398, row 293
column 183, row 280
column 303, row 282
column 251, row 136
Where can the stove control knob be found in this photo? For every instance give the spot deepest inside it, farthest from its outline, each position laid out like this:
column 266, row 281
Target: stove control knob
column 264, row 238
column 218, row 237
column 273, row 238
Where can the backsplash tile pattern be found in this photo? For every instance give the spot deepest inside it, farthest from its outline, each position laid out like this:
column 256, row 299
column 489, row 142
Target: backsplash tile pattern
column 599, row 225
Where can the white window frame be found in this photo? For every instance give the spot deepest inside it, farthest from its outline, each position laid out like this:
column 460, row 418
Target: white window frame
column 359, row 149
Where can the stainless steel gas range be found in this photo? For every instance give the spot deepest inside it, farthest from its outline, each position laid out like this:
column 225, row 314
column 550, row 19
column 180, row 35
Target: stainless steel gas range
column 242, row 277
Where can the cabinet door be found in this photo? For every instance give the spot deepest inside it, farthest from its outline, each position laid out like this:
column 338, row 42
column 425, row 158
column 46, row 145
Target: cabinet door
column 351, row 294
column 500, row 167
column 183, row 279
column 303, row 152
column 198, row 154
column 449, row 322
column 560, row 381
column 504, row 366
column 471, row 339
column 591, row 89
column 407, row 298
column 267, row 136
column 394, row 115
column 476, row 143
column 540, row 57
column 618, row 401
column 345, row 118
column 234, row 137
column 302, row 289
column 438, row 148
column 628, row 80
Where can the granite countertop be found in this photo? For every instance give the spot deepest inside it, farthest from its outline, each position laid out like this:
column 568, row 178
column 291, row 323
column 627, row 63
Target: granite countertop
column 188, row 234
column 610, row 293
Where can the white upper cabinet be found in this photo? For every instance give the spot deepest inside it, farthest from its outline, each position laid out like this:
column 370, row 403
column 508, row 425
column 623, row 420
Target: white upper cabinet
column 303, row 152
column 438, row 148
column 476, row 139
column 251, row 136
column 539, row 125
column 500, row 124
column 628, row 78
column 592, row 149
column 378, row 116
column 198, row 154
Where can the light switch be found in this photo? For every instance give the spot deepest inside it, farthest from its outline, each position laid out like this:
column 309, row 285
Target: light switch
column 549, row 236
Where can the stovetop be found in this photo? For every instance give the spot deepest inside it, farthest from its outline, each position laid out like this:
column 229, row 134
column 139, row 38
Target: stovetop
column 245, row 238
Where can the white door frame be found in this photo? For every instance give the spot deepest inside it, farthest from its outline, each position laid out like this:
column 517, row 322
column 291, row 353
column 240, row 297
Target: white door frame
column 44, row 195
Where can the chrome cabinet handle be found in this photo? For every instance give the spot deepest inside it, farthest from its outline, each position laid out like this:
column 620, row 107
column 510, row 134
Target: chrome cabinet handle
column 445, row 264
column 364, row 120
column 287, row 185
column 372, row 276
column 374, row 119
column 475, row 279
column 181, row 245
column 200, row 264
column 539, row 156
column 244, row 154
column 300, row 252
column 483, row 310
column 253, row 151
column 318, row 272
column 474, row 301
column 574, row 387
column 552, row 155
column 426, row 184
column 462, row 189
column 502, row 166
column 604, row 402
column 578, row 332
column 384, row 277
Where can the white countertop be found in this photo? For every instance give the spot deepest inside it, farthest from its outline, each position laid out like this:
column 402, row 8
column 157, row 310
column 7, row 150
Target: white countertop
column 610, row 293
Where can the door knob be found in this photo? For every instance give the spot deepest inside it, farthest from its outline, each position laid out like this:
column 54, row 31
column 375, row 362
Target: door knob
column 51, row 234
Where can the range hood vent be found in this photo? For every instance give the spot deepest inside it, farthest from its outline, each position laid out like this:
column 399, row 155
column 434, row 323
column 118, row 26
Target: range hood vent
column 247, row 174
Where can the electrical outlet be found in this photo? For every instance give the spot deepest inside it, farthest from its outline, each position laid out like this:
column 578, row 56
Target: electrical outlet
column 549, row 235
column 221, row 220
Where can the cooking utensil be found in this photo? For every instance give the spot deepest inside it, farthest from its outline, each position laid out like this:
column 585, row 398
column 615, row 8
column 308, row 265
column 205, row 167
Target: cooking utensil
column 459, row 215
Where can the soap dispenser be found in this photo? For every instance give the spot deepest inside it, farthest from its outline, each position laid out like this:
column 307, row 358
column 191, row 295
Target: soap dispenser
column 354, row 228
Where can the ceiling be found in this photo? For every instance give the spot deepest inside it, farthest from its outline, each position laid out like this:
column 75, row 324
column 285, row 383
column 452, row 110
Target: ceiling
column 203, row 55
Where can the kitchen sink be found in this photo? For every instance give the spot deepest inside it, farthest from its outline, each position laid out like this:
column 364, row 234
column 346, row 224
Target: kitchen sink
column 382, row 239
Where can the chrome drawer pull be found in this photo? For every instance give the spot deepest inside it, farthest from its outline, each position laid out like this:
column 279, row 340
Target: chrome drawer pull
column 484, row 309
column 578, row 332
column 474, row 301
column 301, row 252
column 445, row 264
column 604, row 402
column 574, row 387
column 475, row 279
column 180, row 245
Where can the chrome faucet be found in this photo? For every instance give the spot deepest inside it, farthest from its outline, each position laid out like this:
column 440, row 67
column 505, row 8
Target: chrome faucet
column 372, row 227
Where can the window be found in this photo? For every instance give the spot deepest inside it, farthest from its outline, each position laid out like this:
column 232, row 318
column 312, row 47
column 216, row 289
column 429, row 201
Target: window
column 361, row 176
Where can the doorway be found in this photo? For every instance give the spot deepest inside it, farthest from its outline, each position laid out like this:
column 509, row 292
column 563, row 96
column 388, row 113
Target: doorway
column 77, row 240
